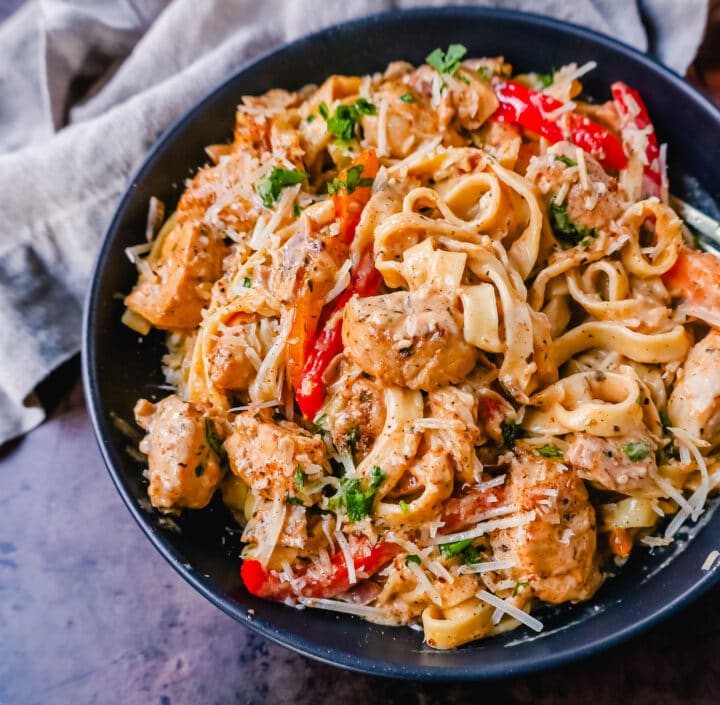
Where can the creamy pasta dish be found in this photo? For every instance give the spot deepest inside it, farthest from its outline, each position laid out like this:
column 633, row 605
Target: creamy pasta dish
column 437, row 340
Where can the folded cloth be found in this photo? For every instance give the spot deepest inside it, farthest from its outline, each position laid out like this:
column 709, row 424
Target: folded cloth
column 87, row 86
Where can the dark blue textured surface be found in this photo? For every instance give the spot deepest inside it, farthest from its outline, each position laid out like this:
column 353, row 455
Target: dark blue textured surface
column 118, row 369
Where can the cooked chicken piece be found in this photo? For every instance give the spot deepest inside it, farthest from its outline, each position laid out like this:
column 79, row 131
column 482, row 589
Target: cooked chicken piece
column 227, row 361
column 412, row 340
column 466, row 96
column 174, row 289
column 183, row 470
column 556, row 552
column 591, row 207
column 621, row 464
column 695, row 402
column 267, row 455
column 355, row 409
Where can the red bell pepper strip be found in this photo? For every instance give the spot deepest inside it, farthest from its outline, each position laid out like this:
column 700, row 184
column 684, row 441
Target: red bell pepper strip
column 632, row 109
column 530, row 109
column 310, row 395
column 318, row 352
column 368, row 560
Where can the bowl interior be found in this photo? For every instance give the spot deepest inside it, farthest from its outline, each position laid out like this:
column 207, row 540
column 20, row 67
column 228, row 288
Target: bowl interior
column 120, row 367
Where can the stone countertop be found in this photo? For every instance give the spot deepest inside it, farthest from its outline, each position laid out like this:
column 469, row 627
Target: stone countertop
column 91, row 613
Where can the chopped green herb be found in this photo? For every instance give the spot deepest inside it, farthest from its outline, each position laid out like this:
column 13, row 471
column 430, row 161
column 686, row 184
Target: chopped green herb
column 412, row 558
column 550, row 451
column 247, row 282
column 565, row 160
column 566, row 230
column 352, row 181
column 407, row 98
column 546, row 79
column 485, row 72
column 636, row 451
column 450, row 550
column 519, row 586
column 310, row 118
column 295, row 501
column 270, row 187
column 464, row 550
column 200, row 470
column 352, row 438
column 344, row 123
column 356, row 501
column 214, row 441
column 665, row 421
column 319, row 423
column 297, row 210
column 299, row 476
column 404, row 506
column 510, row 433
column 447, row 62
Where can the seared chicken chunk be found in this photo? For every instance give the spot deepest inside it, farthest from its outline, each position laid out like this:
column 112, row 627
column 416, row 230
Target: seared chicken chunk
column 695, row 402
column 621, row 464
column 556, row 551
column 591, row 202
column 183, row 470
column 267, row 455
column 411, row 339
column 355, row 409
column 174, row 289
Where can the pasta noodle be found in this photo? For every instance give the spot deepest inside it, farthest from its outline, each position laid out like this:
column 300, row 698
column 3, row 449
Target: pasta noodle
column 435, row 337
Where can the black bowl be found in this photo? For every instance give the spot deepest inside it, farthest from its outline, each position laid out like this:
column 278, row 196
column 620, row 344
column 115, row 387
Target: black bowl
column 118, row 367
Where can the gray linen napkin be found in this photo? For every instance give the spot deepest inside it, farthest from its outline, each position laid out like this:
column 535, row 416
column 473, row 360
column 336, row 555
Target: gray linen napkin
column 138, row 64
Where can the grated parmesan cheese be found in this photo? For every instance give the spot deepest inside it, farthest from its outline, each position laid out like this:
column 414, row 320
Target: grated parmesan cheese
column 487, row 566
column 710, row 560
column 488, row 526
column 342, row 280
column 349, row 561
column 509, row 608
column 345, row 607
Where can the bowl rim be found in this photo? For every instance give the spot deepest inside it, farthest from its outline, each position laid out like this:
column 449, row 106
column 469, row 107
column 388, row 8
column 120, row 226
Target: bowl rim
column 339, row 657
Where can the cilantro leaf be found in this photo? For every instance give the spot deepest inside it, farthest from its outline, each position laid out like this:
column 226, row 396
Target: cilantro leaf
column 636, row 451
column 565, row 160
column 412, row 558
column 549, row 451
column 200, row 470
column 270, row 187
column 446, row 62
column 546, row 79
column 357, row 502
column 299, row 476
column 404, row 506
column 343, row 124
column 215, row 442
column 567, row 231
column 295, row 501
column 485, row 72
column 247, row 282
column 510, row 433
column 407, row 98
column 519, row 586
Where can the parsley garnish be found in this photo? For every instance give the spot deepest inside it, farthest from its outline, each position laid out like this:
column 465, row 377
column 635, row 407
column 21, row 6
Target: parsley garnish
column 464, row 550
column 407, row 98
column 357, row 502
column 200, row 470
column 212, row 438
column 510, row 433
column 310, row 118
column 404, row 506
column 319, row 423
column 270, row 187
column 566, row 230
column 447, row 62
column 412, row 558
column 296, row 501
column 485, row 72
column 299, row 476
column 352, row 438
column 565, row 160
column 344, row 123
column 297, row 210
column 546, row 79
column 636, row 451
column 352, row 181
column 550, row 451
column 519, row 586
column 665, row 421
column 247, row 282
